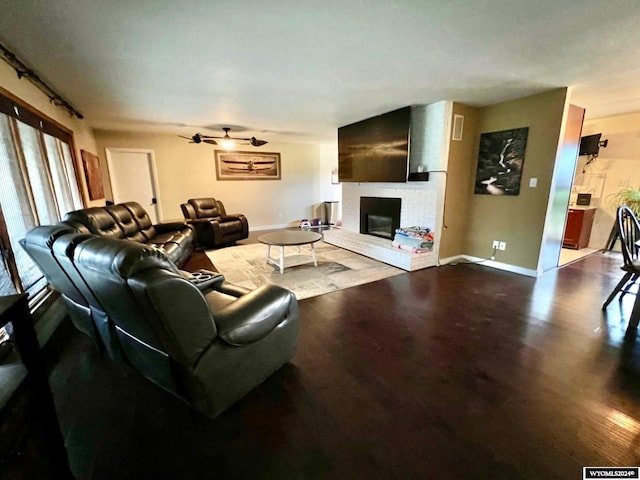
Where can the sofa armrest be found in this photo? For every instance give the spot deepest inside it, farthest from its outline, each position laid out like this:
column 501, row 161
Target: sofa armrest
column 254, row 315
column 204, row 279
column 232, row 289
column 231, row 217
column 170, row 227
column 203, row 221
column 238, row 217
column 204, row 234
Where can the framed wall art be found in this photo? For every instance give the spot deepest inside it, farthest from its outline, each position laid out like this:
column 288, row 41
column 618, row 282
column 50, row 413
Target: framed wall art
column 92, row 174
column 247, row 165
column 500, row 161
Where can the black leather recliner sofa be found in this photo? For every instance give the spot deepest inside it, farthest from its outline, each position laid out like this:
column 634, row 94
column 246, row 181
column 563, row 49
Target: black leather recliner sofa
column 131, row 222
column 207, row 342
column 213, row 226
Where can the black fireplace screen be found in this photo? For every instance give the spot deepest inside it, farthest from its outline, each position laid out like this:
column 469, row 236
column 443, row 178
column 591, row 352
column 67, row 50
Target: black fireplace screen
column 380, row 216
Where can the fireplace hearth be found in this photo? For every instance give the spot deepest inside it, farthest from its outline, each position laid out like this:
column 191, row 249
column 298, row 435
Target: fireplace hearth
column 380, row 216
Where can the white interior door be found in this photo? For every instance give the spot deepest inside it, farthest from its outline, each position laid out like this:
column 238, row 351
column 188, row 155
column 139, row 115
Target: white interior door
column 133, row 178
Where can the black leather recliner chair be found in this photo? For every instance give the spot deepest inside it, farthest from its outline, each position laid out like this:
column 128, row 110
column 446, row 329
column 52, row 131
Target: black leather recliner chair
column 213, row 226
column 210, row 348
column 207, row 342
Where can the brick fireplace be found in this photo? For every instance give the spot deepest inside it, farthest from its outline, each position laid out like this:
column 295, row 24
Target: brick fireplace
column 418, row 206
column 422, row 202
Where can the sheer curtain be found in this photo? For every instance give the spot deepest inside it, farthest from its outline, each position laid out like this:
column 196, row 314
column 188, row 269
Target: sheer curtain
column 37, row 187
column 16, row 210
column 65, row 187
column 6, row 285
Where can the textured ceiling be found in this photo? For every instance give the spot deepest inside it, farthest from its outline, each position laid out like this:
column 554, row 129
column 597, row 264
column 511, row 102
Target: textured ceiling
column 296, row 70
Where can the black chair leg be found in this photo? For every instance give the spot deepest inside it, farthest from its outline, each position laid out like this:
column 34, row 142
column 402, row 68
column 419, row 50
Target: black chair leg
column 635, row 313
column 630, row 285
column 615, row 291
column 613, row 237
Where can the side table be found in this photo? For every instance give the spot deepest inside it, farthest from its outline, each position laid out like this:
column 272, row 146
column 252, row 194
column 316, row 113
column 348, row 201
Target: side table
column 27, row 411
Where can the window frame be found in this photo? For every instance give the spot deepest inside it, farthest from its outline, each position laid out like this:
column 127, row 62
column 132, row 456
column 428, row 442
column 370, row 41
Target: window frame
column 20, row 111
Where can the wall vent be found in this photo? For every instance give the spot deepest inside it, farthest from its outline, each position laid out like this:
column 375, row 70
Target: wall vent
column 458, row 124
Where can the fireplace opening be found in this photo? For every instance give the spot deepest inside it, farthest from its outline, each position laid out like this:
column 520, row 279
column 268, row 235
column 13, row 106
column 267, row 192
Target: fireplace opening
column 379, row 216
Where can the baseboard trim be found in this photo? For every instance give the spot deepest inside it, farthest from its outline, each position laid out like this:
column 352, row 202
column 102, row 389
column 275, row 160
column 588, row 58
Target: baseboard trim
column 490, row 263
column 273, row 227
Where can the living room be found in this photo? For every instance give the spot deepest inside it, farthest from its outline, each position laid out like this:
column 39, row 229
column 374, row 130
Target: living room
column 465, row 225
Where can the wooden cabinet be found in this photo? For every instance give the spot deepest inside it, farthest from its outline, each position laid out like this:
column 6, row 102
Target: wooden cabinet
column 578, row 228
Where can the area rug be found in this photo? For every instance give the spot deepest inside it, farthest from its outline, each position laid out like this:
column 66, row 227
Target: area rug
column 245, row 265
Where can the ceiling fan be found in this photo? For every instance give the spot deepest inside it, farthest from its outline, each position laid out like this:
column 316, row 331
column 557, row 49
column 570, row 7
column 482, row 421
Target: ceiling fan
column 226, row 141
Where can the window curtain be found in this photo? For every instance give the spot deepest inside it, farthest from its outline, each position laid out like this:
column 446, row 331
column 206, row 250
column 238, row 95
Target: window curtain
column 38, row 187
column 16, row 209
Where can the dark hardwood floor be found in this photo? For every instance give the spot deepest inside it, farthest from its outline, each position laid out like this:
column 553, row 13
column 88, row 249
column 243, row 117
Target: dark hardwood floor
column 454, row 372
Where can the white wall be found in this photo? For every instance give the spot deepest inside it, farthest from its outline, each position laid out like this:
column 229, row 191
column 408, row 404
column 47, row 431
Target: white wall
column 187, row 170
column 328, row 190
column 619, row 163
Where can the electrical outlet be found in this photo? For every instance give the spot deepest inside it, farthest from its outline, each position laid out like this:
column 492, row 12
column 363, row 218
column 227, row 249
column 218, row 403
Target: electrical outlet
column 502, row 246
column 495, row 245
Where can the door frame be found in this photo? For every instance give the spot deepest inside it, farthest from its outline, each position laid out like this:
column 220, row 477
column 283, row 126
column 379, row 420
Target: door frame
column 153, row 173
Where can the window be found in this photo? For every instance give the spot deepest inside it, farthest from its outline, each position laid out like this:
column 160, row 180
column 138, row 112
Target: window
column 37, row 186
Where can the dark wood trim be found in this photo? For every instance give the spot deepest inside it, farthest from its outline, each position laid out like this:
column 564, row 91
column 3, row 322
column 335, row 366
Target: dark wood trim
column 32, row 116
column 9, row 263
column 44, row 123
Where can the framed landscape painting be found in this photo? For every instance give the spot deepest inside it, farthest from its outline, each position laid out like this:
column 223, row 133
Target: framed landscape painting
column 91, row 167
column 247, row 165
column 500, row 161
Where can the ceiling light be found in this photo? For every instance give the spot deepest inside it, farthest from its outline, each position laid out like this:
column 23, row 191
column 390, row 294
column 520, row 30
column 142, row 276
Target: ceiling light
column 226, row 141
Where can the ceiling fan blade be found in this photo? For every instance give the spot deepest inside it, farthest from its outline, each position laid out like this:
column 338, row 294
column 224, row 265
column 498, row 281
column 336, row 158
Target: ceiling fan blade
column 257, row 143
column 210, row 141
column 194, row 139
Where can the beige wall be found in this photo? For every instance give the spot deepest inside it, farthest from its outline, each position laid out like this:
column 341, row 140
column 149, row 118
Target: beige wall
column 619, row 164
column 186, row 170
column 31, row 95
column 459, row 176
column 518, row 220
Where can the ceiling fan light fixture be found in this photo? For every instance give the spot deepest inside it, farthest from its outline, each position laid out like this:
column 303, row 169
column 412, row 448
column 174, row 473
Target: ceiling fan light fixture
column 227, row 142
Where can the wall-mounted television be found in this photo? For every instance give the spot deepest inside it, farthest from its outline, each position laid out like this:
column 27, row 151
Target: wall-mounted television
column 590, row 144
column 375, row 149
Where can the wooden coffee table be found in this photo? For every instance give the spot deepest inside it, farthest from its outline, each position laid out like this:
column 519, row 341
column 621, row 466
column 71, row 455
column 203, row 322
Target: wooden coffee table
column 288, row 239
